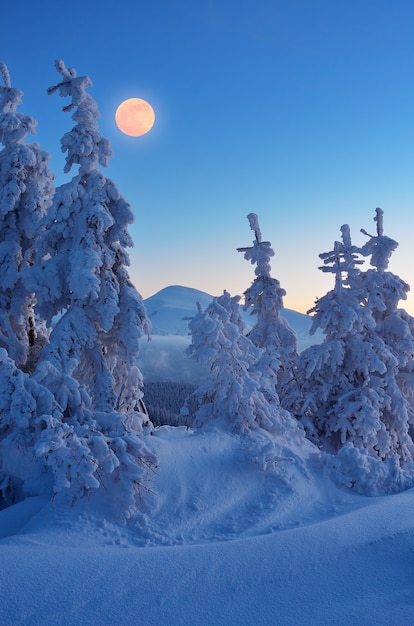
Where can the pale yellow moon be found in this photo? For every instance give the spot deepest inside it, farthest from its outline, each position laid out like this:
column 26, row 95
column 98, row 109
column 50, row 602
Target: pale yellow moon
column 135, row 117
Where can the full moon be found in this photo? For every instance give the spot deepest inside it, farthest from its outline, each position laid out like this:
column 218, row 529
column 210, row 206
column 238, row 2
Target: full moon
column 135, row 117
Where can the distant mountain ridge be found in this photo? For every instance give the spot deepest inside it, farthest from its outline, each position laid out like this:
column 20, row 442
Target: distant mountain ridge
column 164, row 358
column 171, row 308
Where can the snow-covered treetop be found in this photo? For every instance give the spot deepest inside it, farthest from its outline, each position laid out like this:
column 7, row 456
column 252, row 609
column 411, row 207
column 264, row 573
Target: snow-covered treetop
column 350, row 252
column 379, row 247
column 332, row 263
column 339, row 310
column 342, row 259
column 254, row 225
column 13, row 126
column 4, row 70
column 84, row 144
column 261, row 252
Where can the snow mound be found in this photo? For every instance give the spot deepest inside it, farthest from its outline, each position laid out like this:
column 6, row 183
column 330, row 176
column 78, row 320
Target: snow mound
column 219, row 542
column 209, row 488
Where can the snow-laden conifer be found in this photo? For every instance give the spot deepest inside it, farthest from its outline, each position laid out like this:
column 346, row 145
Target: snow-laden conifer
column 26, row 190
column 83, row 286
column 82, row 274
column 348, row 384
column 332, row 371
column 231, row 392
column 264, row 299
column 232, row 397
column 382, row 291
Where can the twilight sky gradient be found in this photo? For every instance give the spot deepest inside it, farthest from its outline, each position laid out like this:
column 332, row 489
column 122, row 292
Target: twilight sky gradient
column 301, row 111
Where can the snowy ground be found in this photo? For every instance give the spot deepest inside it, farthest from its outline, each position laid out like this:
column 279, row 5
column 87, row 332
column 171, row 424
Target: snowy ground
column 219, row 542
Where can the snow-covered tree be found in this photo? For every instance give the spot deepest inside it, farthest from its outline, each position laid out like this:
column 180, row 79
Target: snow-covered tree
column 332, row 371
column 382, row 291
column 231, row 393
column 26, row 191
column 97, row 318
column 82, row 270
column 264, row 298
column 348, row 385
column 232, row 396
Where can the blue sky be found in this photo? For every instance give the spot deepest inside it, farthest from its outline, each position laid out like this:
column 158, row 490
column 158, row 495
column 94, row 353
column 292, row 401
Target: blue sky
column 301, row 111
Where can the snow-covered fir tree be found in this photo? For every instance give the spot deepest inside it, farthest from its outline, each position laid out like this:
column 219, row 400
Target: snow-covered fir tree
column 232, row 397
column 26, row 191
column 82, row 271
column 348, row 385
column 328, row 372
column 82, row 286
column 264, row 299
column 231, row 392
column 383, row 291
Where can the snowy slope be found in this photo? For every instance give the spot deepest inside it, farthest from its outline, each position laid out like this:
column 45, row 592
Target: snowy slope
column 219, row 542
column 164, row 359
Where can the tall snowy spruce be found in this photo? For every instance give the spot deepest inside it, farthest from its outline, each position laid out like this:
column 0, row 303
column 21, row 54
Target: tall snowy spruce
column 82, row 282
column 271, row 332
column 26, row 191
column 348, row 385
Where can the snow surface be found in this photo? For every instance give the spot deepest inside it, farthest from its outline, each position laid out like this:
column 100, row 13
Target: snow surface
column 218, row 541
